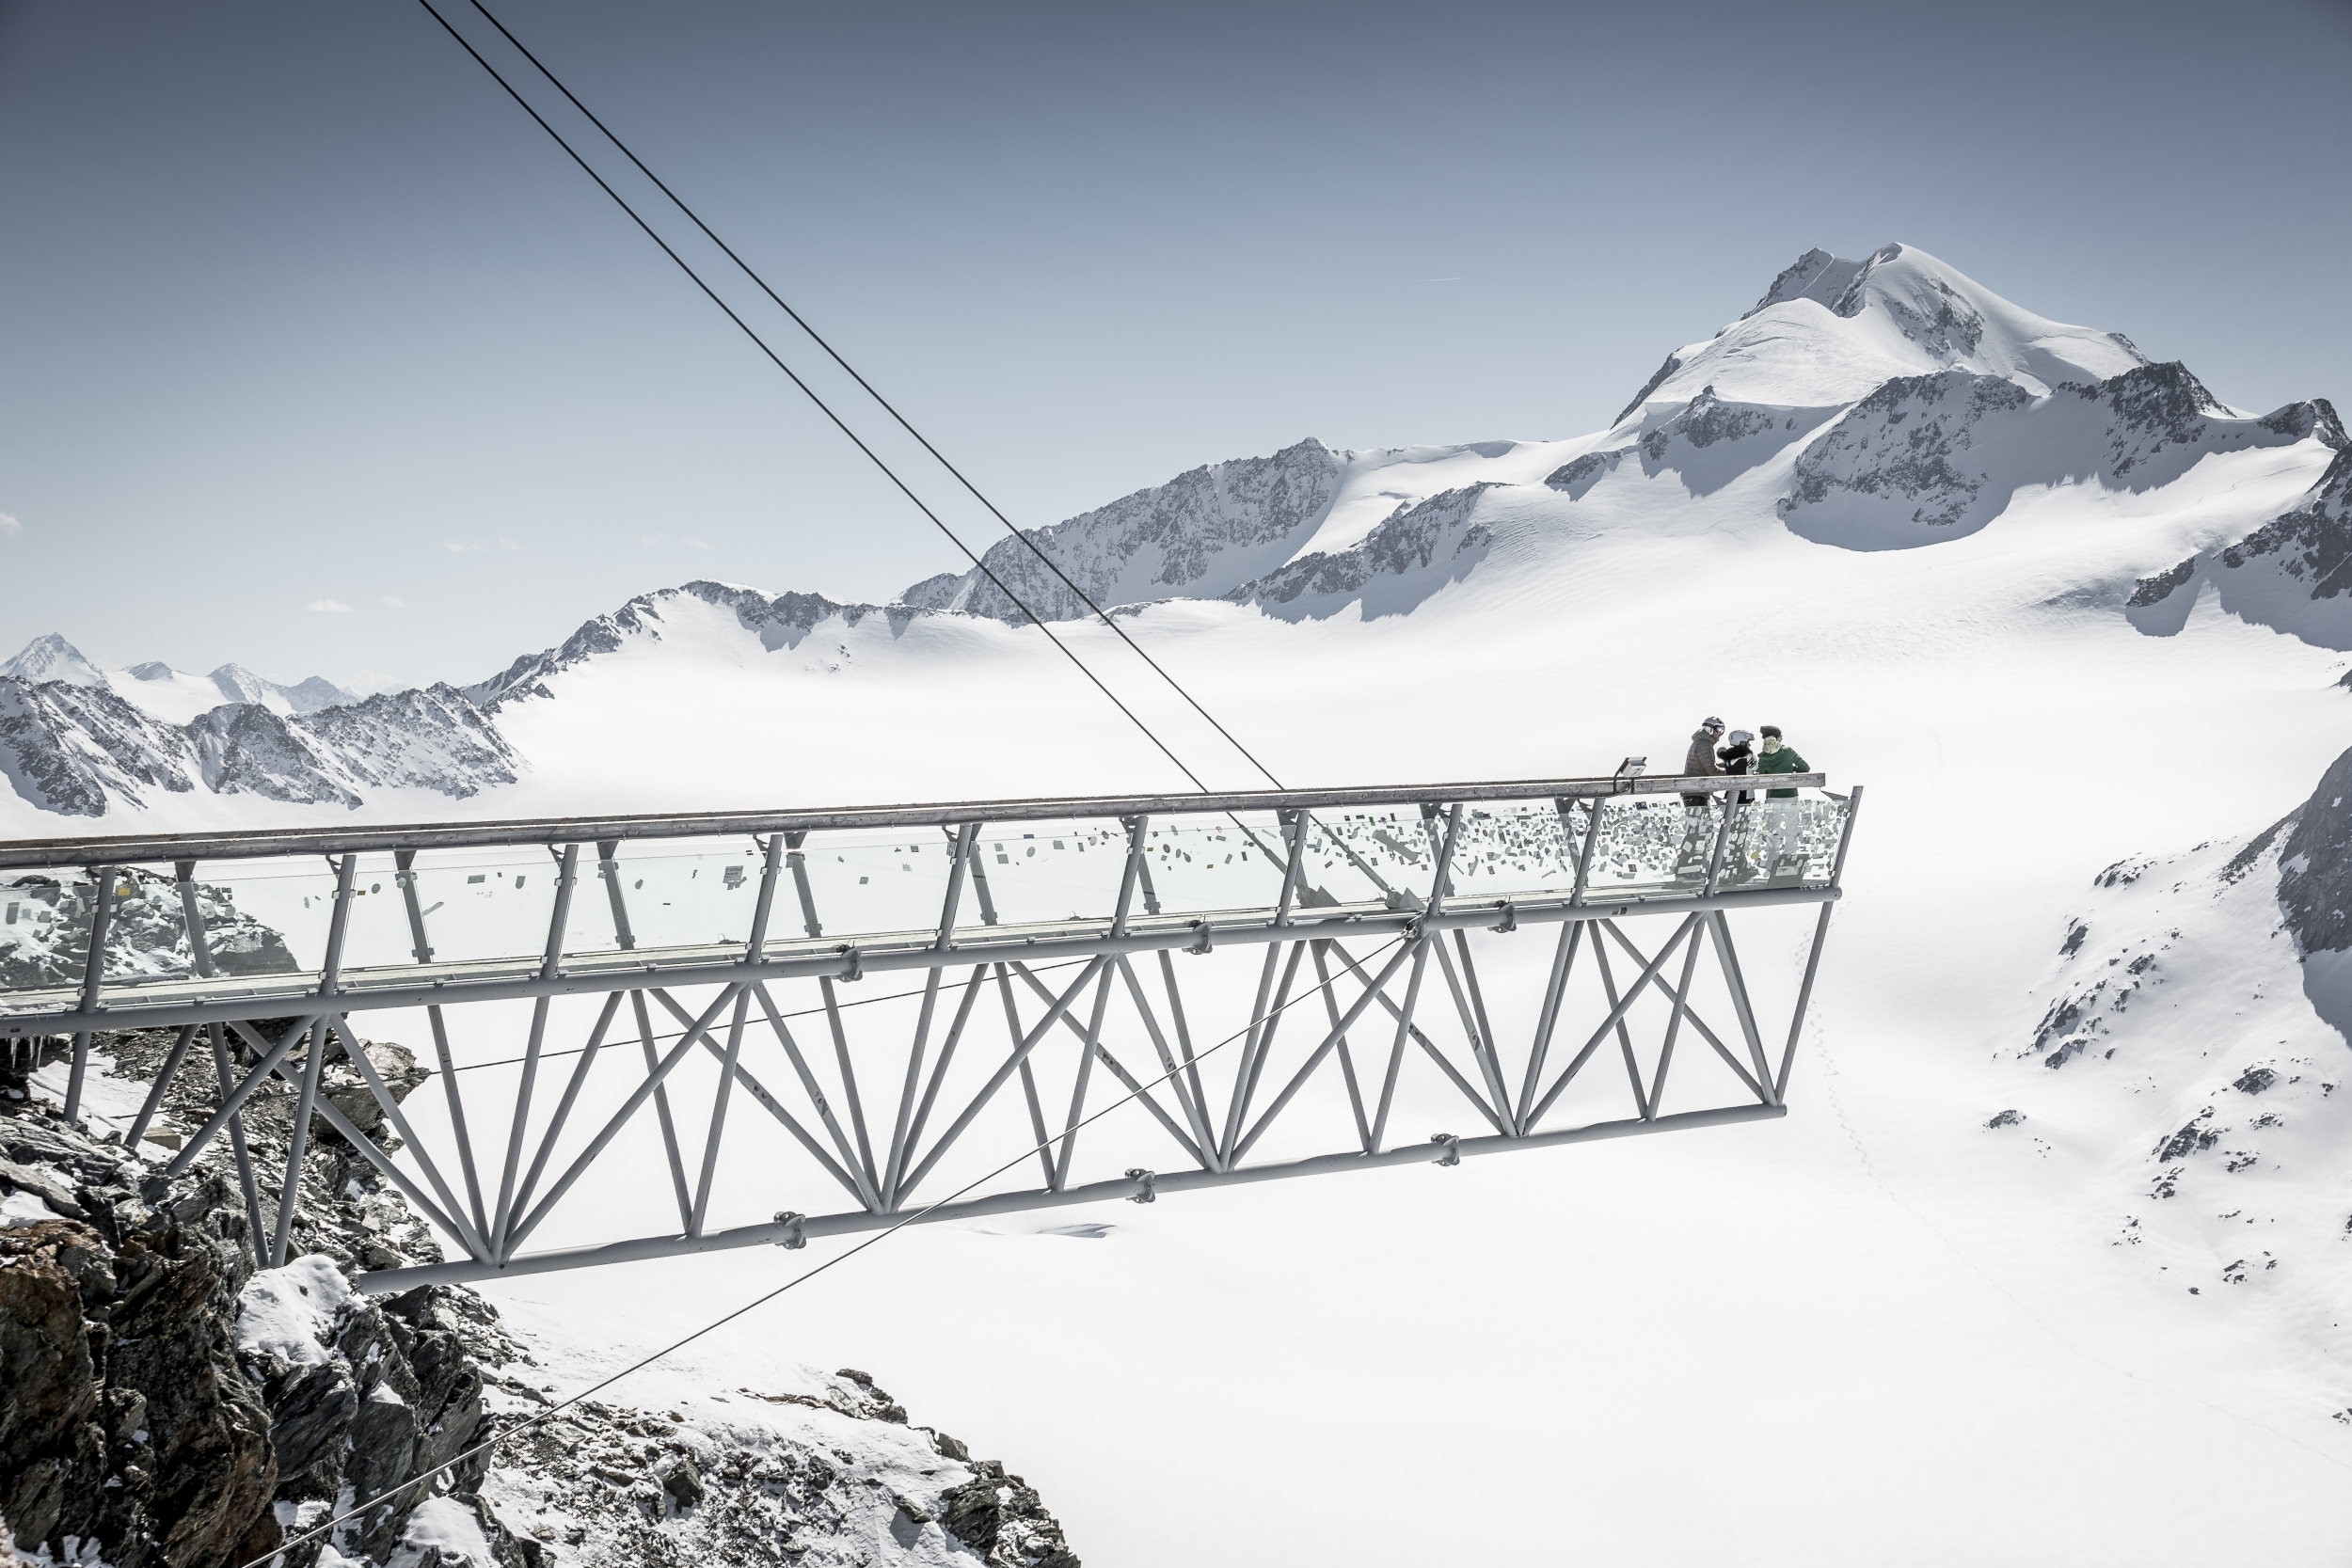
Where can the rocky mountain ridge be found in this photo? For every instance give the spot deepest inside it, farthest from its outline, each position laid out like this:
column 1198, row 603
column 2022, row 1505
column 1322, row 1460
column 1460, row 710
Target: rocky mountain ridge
column 1885, row 403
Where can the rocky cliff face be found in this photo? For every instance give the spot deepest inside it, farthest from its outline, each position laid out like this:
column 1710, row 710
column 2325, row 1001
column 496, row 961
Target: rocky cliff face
column 2292, row 571
column 1202, row 534
column 171, row 1403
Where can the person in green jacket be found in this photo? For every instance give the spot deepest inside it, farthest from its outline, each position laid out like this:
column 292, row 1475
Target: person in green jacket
column 1778, row 757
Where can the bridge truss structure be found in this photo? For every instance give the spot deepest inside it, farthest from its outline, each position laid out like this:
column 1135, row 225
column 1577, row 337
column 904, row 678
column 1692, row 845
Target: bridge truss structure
column 1356, row 942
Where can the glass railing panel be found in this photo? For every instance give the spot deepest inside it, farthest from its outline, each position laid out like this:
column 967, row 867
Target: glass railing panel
column 1513, row 850
column 1784, row 843
column 1376, row 857
column 692, row 893
column 1649, row 844
column 478, row 905
column 1039, row 871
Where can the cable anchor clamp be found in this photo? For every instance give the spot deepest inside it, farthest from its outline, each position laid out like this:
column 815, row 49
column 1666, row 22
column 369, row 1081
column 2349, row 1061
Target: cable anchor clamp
column 1143, row 1179
column 857, row 964
column 1203, row 945
column 795, row 1230
column 1510, row 918
column 1452, row 1147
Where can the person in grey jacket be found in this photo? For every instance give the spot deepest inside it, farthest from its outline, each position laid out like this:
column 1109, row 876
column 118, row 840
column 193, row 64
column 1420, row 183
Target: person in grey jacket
column 1701, row 761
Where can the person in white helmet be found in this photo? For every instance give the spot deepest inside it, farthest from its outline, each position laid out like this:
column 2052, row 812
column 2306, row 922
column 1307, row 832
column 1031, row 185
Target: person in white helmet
column 1739, row 757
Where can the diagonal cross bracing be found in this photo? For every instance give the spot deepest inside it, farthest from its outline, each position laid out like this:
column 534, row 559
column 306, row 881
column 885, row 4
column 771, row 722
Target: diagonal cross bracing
column 1335, row 905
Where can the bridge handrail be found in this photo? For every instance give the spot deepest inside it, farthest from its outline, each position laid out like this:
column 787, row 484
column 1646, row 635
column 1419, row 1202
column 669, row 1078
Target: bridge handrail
column 137, row 848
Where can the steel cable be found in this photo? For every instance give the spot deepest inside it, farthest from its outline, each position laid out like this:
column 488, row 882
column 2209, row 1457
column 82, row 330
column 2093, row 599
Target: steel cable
column 887, row 407
column 838, row 422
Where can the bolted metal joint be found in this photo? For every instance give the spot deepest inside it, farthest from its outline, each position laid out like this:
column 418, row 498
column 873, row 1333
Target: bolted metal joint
column 1203, row 944
column 857, row 964
column 1452, row 1147
column 1510, row 918
column 1144, row 1179
column 795, row 1230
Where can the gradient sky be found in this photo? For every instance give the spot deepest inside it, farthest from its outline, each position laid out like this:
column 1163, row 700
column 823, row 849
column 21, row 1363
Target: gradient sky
column 297, row 309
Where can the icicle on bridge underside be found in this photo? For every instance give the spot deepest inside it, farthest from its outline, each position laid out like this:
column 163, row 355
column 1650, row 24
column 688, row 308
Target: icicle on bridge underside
column 656, row 974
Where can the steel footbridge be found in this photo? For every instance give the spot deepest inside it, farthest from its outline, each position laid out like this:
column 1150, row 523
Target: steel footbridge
column 1265, row 984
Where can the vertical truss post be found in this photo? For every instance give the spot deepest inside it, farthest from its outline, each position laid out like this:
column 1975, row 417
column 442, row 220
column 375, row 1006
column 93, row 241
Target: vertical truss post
column 404, row 876
column 972, row 988
column 718, row 1115
column 798, row 863
column 895, row 1166
column 355, row 1051
column 1813, row 958
column 1086, row 1072
column 1473, row 1011
column 1625, row 1036
column 1419, row 945
column 1202, row 1139
column 867, row 1193
column 1592, row 841
column 200, row 960
column 1246, row 1089
column 662, row 1108
column 1562, row 960
column 1722, row 840
column 626, row 936
column 1727, row 957
column 93, row 975
column 549, row 964
column 330, row 981
column 1045, row 1150
column 1347, row 1064
column 1673, row 1023
column 237, row 1147
column 1245, row 1075
column 298, row 1143
column 1131, row 872
column 979, row 878
column 754, row 947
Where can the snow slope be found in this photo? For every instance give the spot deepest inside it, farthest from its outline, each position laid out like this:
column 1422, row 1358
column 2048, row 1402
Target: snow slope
column 1880, row 1331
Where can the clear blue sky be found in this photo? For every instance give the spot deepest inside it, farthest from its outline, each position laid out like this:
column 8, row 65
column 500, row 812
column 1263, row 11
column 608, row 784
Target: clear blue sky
column 296, row 308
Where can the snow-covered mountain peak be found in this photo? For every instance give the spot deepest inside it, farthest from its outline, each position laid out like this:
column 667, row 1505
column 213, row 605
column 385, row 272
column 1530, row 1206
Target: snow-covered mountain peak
column 1830, row 330
column 50, row 657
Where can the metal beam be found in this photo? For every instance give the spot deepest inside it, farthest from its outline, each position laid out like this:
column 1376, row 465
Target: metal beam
column 389, row 1280
column 142, row 849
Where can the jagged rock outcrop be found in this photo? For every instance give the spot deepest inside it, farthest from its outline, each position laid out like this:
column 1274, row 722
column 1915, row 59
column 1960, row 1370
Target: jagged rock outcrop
column 1932, row 457
column 1707, row 442
column 1202, row 534
column 1419, row 548
column 170, row 1404
column 2291, row 573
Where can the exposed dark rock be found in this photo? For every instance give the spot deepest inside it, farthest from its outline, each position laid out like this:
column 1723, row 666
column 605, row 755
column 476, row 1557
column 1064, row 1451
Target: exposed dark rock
column 1413, row 538
column 175, row 1407
column 2315, row 864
